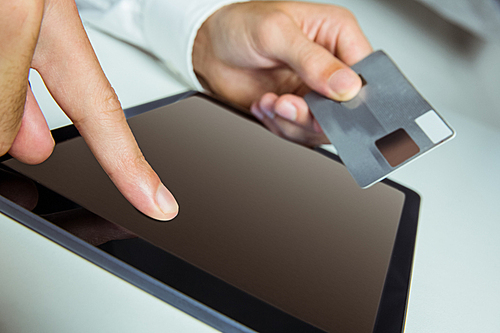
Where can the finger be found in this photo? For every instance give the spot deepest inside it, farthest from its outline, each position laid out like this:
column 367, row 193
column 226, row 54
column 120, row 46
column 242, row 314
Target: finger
column 267, row 103
column 352, row 45
column 333, row 27
column 294, row 108
column 299, row 134
column 315, row 65
column 19, row 25
column 71, row 71
column 263, row 110
column 256, row 112
column 33, row 143
column 268, row 123
column 338, row 30
column 292, row 131
column 317, row 128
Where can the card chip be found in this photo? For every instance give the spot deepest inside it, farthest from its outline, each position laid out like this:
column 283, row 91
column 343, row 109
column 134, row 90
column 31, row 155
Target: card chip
column 397, row 147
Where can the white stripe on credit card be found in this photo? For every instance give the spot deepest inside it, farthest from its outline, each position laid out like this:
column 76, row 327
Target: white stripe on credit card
column 433, row 126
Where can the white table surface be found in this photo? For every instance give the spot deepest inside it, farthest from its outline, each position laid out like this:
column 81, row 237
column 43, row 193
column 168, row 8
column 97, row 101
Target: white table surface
column 455, row 288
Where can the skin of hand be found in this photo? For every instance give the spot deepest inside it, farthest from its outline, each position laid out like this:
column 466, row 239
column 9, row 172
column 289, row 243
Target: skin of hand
column 265, row 55
column 48, row 35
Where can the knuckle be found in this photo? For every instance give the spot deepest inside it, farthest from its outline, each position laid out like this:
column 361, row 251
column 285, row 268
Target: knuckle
column 130, row 167
column 272, row 25
column 131, row 159
column 110, row 105
column 319, row 65
column 104, row 107
column 310, row 62
column 347, row 16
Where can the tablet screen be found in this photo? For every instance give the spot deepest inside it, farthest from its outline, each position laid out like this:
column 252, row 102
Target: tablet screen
column 274, row 219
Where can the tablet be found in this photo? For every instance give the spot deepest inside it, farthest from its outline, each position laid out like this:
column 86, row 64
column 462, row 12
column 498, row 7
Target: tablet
column 271, row 236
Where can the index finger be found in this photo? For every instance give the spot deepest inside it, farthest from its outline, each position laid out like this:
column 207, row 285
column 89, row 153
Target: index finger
column 67, row 63
column 339, row 31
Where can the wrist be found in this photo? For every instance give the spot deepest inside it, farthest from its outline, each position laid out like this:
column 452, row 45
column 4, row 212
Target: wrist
column 209, row 52
column 202, row 53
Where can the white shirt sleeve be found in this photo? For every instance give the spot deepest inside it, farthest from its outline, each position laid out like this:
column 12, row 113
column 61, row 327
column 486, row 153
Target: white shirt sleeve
column 166, row 28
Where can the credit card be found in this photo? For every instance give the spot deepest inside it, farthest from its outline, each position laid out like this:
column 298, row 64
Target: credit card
column 387, row 125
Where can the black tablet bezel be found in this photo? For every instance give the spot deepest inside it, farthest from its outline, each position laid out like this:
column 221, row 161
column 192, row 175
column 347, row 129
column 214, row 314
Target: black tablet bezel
column 258, row 314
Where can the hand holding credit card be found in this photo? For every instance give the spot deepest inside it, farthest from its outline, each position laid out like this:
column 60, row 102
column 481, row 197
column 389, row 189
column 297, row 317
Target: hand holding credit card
column 387, row 125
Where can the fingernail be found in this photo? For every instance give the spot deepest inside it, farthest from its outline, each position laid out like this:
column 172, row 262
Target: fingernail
column 166, row 202
column 287, row 110
column 257, row 114
column 269, row 113
column 344, row 84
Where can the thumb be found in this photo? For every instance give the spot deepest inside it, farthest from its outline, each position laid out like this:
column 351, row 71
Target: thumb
column 33, row 143
column 316, row 66
column 19, row 24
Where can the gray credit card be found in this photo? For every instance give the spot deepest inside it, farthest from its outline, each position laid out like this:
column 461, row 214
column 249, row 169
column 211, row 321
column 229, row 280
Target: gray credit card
column 387, row 125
